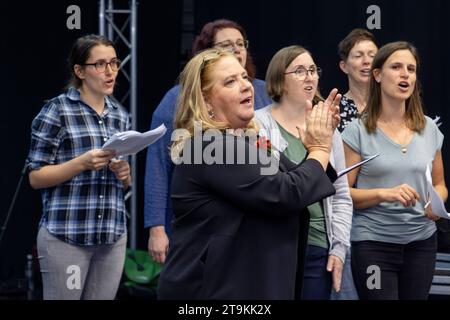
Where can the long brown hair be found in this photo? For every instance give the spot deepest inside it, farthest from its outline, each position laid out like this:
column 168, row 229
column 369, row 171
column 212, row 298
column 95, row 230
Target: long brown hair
column 414, row 116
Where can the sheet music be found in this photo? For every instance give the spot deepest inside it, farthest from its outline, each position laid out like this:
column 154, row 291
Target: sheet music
column 356, row 165
column 131, row 142
column 435, row 201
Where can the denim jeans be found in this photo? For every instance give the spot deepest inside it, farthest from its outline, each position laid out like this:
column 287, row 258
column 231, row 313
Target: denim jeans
column 389, row 271
column 71, row 272
column 348, row 290
column 316, row 278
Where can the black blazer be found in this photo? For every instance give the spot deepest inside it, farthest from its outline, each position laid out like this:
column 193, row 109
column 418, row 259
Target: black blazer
column 238, row 234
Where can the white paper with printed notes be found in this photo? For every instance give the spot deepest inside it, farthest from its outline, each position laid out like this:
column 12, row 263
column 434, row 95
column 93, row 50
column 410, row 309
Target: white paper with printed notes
column 435, row 201
column 131, row 142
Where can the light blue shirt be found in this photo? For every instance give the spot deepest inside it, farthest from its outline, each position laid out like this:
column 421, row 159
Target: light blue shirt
column 390, row 221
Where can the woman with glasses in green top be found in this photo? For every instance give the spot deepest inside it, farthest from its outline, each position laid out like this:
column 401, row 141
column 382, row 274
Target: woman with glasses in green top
column 292, row 82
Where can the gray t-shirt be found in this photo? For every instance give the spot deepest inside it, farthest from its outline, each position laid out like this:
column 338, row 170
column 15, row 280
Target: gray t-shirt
column 390, row 221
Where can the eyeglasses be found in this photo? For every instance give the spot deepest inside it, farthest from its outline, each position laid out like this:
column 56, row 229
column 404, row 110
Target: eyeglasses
column 302, row 72
column 230, row 45
column 100, row 66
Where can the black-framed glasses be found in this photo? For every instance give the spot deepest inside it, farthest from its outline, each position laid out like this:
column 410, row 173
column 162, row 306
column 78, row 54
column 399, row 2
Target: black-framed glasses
column 301, row 72
column 100, row 65
column 230, row 45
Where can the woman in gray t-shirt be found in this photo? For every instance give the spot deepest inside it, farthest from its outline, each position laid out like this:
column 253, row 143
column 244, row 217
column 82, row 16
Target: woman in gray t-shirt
column 393, row 234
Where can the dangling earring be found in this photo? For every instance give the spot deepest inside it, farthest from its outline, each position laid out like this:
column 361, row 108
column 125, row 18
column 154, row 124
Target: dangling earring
column 211, row 114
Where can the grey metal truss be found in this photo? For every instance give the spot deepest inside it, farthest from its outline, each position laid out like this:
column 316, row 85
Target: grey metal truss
column 108, row 16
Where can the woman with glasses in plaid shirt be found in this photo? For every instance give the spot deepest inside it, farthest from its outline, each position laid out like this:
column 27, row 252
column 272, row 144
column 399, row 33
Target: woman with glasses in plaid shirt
column 82, row 236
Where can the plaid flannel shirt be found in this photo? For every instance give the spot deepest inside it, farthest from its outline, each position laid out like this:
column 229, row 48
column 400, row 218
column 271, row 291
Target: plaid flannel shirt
column 88, row 209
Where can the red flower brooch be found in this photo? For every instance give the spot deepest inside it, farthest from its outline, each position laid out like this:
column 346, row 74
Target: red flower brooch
column 264, row 143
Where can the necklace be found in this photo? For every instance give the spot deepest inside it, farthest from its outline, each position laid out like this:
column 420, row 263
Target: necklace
column 403, row 146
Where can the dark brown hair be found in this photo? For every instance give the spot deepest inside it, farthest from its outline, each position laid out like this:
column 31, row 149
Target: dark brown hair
column 80, row 53
column 205, row 40
column 414, row 116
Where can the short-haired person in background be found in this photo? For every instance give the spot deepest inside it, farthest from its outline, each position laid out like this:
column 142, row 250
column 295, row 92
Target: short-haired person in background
column 236, row 230
column 292, row 81
column 356, row 51
column 221, row 34
column 84, row 221
column 393, row 228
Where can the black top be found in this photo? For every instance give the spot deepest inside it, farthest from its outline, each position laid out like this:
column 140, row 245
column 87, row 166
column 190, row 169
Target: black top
column 348, row 112
column 238, row 234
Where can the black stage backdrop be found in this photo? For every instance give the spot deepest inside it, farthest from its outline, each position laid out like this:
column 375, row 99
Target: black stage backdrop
column 34, row 46
column 35, row 42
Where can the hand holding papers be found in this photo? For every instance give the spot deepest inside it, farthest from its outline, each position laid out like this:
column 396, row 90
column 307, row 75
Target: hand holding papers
column 435, row 201
column 131, row 142
column 356, row 165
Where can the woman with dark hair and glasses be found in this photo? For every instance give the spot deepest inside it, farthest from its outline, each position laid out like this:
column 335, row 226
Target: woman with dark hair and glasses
column 82, row 235
column 292, row 81
column 221, row 34
column 394, row 233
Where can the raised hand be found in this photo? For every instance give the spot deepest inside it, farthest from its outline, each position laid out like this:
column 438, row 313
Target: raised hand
column 318, row 135
column 332, row 102
column 319, row 128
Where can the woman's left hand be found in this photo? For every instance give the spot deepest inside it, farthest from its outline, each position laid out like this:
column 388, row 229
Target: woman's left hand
column 121, row 169
column 429, row 213
column 335, row 265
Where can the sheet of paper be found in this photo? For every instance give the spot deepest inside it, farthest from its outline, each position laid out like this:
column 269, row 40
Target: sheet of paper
column 131, row 142
column 356, row 165
column 436, row 120
column 435, row 201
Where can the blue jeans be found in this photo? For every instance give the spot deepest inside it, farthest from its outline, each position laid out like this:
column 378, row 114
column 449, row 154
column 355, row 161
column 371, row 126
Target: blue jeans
column 316, row 278
column 348, row 290
column 390, row 271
